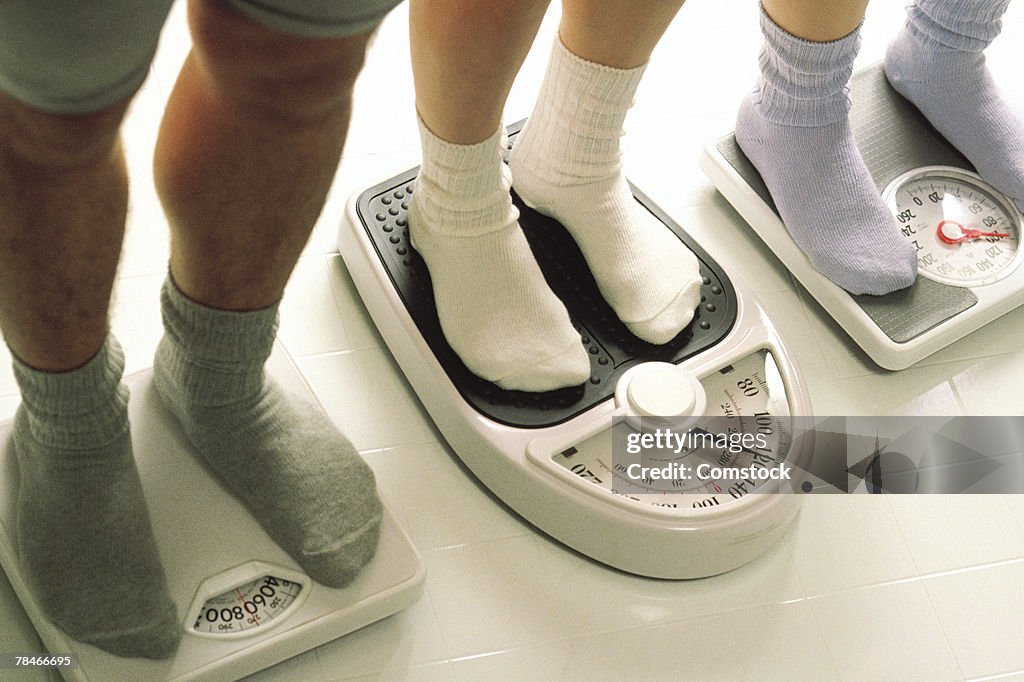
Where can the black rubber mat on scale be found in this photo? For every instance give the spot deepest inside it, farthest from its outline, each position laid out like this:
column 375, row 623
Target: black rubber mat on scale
column 383, row 211
column 893, row 138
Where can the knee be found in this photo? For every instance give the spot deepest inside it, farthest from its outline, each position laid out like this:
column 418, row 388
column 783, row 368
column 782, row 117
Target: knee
column 278, row 74
column 47, row 140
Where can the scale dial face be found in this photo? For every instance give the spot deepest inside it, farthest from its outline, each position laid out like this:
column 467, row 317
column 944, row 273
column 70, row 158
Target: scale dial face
column 966, row 232
column 750, row 394
column 250, row 606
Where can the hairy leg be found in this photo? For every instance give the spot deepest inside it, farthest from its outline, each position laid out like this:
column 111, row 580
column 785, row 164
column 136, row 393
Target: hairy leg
column 250, row 141
column 63, row 199
column 82, row 520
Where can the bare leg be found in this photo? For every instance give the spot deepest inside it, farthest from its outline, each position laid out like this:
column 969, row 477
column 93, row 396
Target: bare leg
column 817, row 20
column 465, row 56
column 249, row 143
column 620, row 34
column 63, row 197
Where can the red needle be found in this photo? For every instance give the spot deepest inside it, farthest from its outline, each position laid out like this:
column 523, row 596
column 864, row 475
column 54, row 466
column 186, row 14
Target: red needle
column 963, row 232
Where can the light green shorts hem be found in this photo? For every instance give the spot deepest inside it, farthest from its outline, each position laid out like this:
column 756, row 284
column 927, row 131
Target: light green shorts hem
column 82, row 56
column 316, row 18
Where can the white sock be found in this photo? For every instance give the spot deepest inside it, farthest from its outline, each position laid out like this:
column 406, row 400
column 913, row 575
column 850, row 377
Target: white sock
column 496, row 311
column 567, row 165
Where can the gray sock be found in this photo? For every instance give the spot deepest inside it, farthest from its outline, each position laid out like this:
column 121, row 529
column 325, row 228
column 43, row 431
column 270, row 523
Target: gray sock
column 300, row 478
column 794, row 129
column 937, row 62
column 84, row 536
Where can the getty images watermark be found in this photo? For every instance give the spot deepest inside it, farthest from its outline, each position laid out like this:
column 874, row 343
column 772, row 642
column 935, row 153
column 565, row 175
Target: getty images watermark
column 666, row 441
column 784, row 454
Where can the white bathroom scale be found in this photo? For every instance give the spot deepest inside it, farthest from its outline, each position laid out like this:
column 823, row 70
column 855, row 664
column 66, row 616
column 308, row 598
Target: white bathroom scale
column 549, row 456
column 244, row 605
column 966, row 233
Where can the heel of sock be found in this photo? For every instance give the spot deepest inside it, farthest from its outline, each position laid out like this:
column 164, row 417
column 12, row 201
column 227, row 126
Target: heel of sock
column 747, row 122
column 162, row 377
column 897, row 63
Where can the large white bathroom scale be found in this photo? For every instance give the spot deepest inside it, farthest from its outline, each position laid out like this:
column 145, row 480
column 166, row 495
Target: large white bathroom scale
column 550, row 456
column 244, row 605
column 966, row 233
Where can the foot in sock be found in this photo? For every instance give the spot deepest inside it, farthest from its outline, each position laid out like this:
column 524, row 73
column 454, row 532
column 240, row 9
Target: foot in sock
column 496, row 311
column 828, row 202
column 794, row 129
column 302, row 480
column 84, row 537
column 938, row 64
column 566, row 164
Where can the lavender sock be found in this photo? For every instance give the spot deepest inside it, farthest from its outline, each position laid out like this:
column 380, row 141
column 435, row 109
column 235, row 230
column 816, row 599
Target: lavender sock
column 794, row 129
column 937, row 62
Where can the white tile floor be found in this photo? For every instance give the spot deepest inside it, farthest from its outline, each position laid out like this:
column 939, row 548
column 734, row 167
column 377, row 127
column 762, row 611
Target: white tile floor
column 862, row 587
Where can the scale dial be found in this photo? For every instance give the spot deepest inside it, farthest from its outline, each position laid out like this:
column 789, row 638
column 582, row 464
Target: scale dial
column 246, row 600
column 749, row 394
column 966, row 232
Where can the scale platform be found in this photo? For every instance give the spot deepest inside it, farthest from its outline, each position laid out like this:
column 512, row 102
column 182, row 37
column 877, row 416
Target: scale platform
column 960, row 287
column 548, row 455
column 213, row 550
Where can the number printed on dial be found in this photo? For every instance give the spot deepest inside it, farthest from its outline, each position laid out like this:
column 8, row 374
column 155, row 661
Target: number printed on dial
column 965, row 232
column 247, row 606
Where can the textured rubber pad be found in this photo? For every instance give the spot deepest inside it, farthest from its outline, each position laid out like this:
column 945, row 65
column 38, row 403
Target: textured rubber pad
column 893, row 138
column 383, row 211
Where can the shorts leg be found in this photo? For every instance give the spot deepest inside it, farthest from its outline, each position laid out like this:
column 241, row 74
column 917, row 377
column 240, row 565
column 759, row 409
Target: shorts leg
column 77, row 56
column 316, row 18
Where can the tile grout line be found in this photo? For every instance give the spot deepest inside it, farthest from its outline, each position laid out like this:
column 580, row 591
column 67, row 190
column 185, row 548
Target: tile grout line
column 927, row 593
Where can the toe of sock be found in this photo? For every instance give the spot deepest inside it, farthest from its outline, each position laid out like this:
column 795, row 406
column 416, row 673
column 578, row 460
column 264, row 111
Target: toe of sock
column 884, row 279
column 571, row 367
column 900, row 278
column 672, row 319
column 337, row 565
column 157, row 640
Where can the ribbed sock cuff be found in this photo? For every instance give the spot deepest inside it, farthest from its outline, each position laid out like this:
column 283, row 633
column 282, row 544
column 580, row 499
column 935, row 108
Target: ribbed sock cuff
column 961, row 25
column 572, row 137
column 804, row 83
column 213, row 357
column 448, row 158
column 77, row 410
column 591, row 86
column 216, row 335
column 463, row 189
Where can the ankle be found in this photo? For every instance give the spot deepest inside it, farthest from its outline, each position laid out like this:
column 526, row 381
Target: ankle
column 80, row 409
column 186, row 382
column 462, row 190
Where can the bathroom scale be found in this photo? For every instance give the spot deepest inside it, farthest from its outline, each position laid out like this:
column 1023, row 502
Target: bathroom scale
column 966, row 233
column 244, row 604
column 552, row 456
